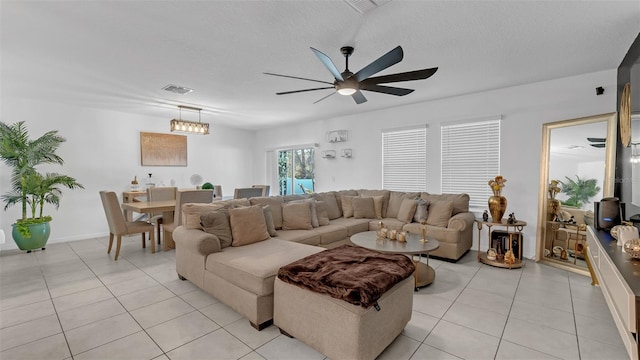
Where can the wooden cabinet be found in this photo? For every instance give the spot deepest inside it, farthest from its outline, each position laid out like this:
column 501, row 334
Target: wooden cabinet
column 620, row 285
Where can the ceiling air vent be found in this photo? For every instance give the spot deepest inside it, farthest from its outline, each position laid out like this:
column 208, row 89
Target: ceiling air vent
column 177, row 89
column 363, row 6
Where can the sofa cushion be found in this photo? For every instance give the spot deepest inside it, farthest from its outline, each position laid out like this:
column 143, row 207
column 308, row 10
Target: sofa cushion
column 344, row 192
column 406, row 211
column 440, row 212
column 276, row 207
column 331, row 233
column 375, row 193
column 294, row 197
column 268, row 219
column 296, row 216
column 309, row 237
column 363, row 207
column 333, row 210
column 314, row 211
column 347, row 205
column 321, row 211
column 353, row 226
column 395, row 200
column 254, row 268
column 460, row 201
column 422, row 210
column 217, row 223
column 247, row 225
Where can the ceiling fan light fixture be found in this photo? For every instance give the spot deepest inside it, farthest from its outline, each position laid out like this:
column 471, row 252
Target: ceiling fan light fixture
column 346, row 91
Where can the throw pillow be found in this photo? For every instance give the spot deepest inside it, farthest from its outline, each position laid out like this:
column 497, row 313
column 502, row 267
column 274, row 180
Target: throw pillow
column 395, row 200
column 217, row 223
column 422, row 210
column 276, row 207
column 379, row 202
column 374, row 193
column 296, row 216
column 347, row 206
column 329, row 198
column 440, row 213
column 363, row 208
column 314, row 212
column 247, row 225
column 406, row 211
column 268, row 219
column 323, row 216
column 191, row 212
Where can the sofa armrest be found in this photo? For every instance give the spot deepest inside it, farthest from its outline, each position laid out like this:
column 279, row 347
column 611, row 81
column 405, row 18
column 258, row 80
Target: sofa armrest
column 461, row 221
column 195, row 240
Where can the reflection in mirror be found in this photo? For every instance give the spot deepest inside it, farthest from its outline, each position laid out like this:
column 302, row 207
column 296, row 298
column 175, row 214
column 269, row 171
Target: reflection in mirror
column 578, row 158
column 635, row 159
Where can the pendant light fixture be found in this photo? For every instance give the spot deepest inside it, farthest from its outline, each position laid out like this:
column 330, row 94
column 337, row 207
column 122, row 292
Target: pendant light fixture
column 189, row 127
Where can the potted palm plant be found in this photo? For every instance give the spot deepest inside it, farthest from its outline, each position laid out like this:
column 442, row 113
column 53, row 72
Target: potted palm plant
column 29, row 188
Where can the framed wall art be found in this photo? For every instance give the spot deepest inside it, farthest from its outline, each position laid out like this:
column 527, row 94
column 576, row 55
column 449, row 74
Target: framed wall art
column 163, row 149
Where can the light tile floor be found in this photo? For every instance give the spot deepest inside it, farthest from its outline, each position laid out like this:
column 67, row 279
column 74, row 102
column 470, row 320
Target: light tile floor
column 73, row 301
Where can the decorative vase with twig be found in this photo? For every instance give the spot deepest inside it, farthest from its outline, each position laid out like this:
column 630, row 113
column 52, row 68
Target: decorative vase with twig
column 497, row 202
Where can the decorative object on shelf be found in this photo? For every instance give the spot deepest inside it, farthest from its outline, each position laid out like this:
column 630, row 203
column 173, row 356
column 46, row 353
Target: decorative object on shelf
column 553, row 204
column 151, row 182
column 491, row 254
column 627, row 233
column 393, row 234
column 134, row 184
column 382, row 230
column 337, row 136
column 614, row 231
column 329, row 154
column 563, row 255
column 402, row 236
column 512, row 219
column 346, row 153
column 557, row 250
column 189, row 127
column 207, row 186
column 509, row 257
column 497, row 202
column 485, row 216
column 424, row 231
column 632, row 247
column 163, row 149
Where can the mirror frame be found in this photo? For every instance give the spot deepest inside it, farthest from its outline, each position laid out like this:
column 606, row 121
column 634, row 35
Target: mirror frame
column 607, row 187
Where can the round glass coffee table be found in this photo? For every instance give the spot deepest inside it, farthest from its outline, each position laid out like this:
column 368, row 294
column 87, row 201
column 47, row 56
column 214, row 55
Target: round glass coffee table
column 424, row 274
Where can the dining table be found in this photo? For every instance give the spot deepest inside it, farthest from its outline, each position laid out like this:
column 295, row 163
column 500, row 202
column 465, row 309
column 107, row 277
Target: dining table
column 149, row 207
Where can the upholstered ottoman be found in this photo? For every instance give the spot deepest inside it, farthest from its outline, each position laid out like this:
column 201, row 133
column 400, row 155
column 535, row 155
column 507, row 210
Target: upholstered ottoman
column 338, row 327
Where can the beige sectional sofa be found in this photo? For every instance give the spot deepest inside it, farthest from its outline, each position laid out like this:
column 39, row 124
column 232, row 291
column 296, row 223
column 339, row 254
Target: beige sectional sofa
column 233, row 249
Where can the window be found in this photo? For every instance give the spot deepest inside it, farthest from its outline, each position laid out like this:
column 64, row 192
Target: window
column 404, row 159
column 296, row 171
column 470, row 157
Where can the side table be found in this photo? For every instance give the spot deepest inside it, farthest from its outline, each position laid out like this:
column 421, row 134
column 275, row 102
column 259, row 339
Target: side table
column 514, row 230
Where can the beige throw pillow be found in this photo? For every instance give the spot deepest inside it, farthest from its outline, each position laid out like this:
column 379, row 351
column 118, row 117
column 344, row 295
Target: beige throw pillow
column 347, row 206
column 314, row 212
column 378, row 203
column 275, row 202
column 247, row 225
column 440, row 213
column 268, row 219
column 296, row 216
column 323, row 216
column 329, row 198
column 422, row 210
column 395, row 200
column 363, row 208
column 406, row 211
column 217, row 223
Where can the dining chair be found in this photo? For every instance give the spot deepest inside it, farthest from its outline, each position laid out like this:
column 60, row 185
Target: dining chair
column 217, row 192
column 184, row 197
column 265, row 189
column 245, row 193
column 119, row 226
column 161, row 194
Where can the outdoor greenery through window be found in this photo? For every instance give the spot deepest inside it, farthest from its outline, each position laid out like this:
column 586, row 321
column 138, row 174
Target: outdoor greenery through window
column 296, row 171
column 470, row 157
column 404, row 159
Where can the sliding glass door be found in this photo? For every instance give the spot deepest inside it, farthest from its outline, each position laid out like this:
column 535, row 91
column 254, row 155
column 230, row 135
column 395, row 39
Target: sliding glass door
column 296, row 171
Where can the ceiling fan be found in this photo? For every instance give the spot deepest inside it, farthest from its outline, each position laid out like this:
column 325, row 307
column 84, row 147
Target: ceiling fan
column 348, row 83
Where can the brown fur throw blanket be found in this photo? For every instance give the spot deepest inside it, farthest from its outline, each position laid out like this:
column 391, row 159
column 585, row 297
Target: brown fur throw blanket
column 353, row 274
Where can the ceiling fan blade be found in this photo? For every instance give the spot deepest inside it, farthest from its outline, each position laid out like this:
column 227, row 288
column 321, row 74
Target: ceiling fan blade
column 597, row 139
column 304, row 90
column 391, row 58
column 299, row 78
column 404, row 76
column 386, row 89
column 598, row 145
column 358, row 97
column 324, row 97
column 328, row 64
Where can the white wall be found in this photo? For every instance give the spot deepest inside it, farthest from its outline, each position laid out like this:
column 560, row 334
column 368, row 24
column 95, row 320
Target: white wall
column 102, row 152
column 523, row 108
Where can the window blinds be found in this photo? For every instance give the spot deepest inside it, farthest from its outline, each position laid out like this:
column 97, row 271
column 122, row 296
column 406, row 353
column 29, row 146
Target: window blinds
column 470, row 157
column 404, row 159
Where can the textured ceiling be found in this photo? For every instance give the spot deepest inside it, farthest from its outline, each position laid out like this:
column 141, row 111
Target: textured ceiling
column 119, row 54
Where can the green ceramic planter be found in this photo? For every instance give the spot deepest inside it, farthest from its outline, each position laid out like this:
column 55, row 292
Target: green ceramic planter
column 38, row 239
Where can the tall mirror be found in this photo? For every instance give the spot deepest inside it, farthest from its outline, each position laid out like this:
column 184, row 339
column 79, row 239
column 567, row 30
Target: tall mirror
column 577, row 168
column 635, row 160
